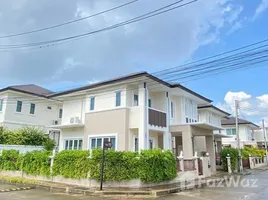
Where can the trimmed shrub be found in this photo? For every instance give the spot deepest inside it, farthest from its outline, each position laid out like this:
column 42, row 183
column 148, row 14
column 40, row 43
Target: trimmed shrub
column 234, row 158
column 26, row 136
column 71, row 164
column 118, row 165
column 37, row 163
column 253, row 151
column 157, row 166
column 10, row 160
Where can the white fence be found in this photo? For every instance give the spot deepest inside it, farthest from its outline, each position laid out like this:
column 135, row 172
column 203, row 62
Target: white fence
column 256, row 162
column 20, row 148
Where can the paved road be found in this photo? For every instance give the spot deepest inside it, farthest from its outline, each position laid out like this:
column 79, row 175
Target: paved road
column 254, row 187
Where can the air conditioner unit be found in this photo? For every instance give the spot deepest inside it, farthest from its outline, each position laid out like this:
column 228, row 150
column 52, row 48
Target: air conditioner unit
column 71, row 120
column 55, row 122
column 77, row 120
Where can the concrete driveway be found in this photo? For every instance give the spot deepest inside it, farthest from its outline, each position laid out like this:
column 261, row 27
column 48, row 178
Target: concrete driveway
column 253, row 187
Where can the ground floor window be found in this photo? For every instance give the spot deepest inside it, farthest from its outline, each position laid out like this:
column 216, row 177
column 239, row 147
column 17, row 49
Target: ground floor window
column 73, row 144
column 97, row 142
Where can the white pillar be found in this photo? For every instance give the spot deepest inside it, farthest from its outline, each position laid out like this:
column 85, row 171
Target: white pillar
column 143, row 128
column 167, row 134
column 187, row 144
column 180, row 158
column 229, row 167
column 211, row 151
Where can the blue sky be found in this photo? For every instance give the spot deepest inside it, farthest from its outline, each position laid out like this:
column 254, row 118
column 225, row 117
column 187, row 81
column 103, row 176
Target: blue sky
column 196, row 31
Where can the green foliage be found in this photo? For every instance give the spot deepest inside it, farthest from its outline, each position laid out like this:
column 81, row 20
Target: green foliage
column 157, row 166
column 253, row 151
column 37, row 163
column 149, row 166
column 233, row 153
column 26, row 136
column 10, row 160
column 118, row 165
column 71, row 164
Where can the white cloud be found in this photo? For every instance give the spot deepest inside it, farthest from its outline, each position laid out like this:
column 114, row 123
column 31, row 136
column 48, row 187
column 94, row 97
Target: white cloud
column 172, row 37
column 252, row 107
column 261, row 8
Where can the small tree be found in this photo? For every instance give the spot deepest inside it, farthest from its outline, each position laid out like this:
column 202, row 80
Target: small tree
column 233, row 154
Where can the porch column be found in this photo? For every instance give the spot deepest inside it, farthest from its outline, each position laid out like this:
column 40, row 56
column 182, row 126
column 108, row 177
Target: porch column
column 167, row 134
column 143, row 128
column 187, row 144
column 211, row 151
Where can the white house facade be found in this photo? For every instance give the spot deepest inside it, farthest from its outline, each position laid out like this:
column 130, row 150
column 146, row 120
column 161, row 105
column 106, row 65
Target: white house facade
column 136, row 112
column 247, row 131
column 28, row 105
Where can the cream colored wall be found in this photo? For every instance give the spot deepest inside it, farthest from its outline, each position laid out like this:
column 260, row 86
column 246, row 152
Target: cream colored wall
column 109, row 122
column 158, row 100
column 41, row 118
column 107, row 100
column 74, row 107
column 72, row 133
column 134, row 117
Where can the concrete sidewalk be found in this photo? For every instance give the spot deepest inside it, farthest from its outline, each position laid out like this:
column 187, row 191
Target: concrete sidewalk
column 149, row 191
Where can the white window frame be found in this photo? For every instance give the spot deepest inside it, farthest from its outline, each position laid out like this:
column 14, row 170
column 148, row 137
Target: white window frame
column 153, row 140
column 115, row 135
column 2, row 104
column 133, row 100
column 73, row 138
column 172, row 117
column 17, row 106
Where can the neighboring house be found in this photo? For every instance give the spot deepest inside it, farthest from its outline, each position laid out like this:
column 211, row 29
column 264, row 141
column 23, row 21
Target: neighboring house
column 246, row 132
column 213, row 115
column 28, row 105
column 259, row 138
column 136, row 112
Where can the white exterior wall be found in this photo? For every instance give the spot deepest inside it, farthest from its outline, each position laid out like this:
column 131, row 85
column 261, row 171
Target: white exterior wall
column 209, row 117
column 2, row 113
column 258, row 135
column 76, row 133
column 42, row 116
column 73, row 108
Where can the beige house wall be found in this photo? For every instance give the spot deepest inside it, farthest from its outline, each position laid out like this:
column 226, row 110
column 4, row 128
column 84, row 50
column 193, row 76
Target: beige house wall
column 109, row 122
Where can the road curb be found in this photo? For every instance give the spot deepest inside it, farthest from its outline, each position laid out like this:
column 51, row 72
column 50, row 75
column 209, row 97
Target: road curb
column 16, row 189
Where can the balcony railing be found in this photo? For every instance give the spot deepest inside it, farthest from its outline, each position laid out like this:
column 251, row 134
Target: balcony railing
column 157, row 118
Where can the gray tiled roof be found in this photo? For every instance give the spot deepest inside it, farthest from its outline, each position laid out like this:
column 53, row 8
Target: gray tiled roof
column 29, row 89
column 231, row 121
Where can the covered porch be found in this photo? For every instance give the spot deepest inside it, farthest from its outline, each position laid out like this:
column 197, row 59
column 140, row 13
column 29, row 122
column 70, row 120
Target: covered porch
column 195, row 143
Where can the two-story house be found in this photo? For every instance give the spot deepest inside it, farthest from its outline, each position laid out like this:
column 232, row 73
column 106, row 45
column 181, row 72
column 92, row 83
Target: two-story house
column 135, row 112
column 29, row 105
column 246, row 132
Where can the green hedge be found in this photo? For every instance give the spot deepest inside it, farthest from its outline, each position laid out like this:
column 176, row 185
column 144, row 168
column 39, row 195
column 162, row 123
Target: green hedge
column 71, row 164
column 37, row 163
column 10, row 160
column 253, row 151
column 233, row 153
column 26, row 136
column 150, row 166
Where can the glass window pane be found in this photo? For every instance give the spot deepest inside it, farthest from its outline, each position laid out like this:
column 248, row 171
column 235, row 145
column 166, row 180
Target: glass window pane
column 151, row 144
column 80, row 144
column 136, row 100
column 75, row 144
column 32, row 108
column 92, row 103
column 93, row 143
column 70, row 144
column 118, row 98
column 149, row 103
column 66, row 144
column 1, row 104
column 19, row 106
column 234, row 131
column 99, row 141
column 60, row 113
column 229, row 131
column 112, row 140
column 136, row 144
